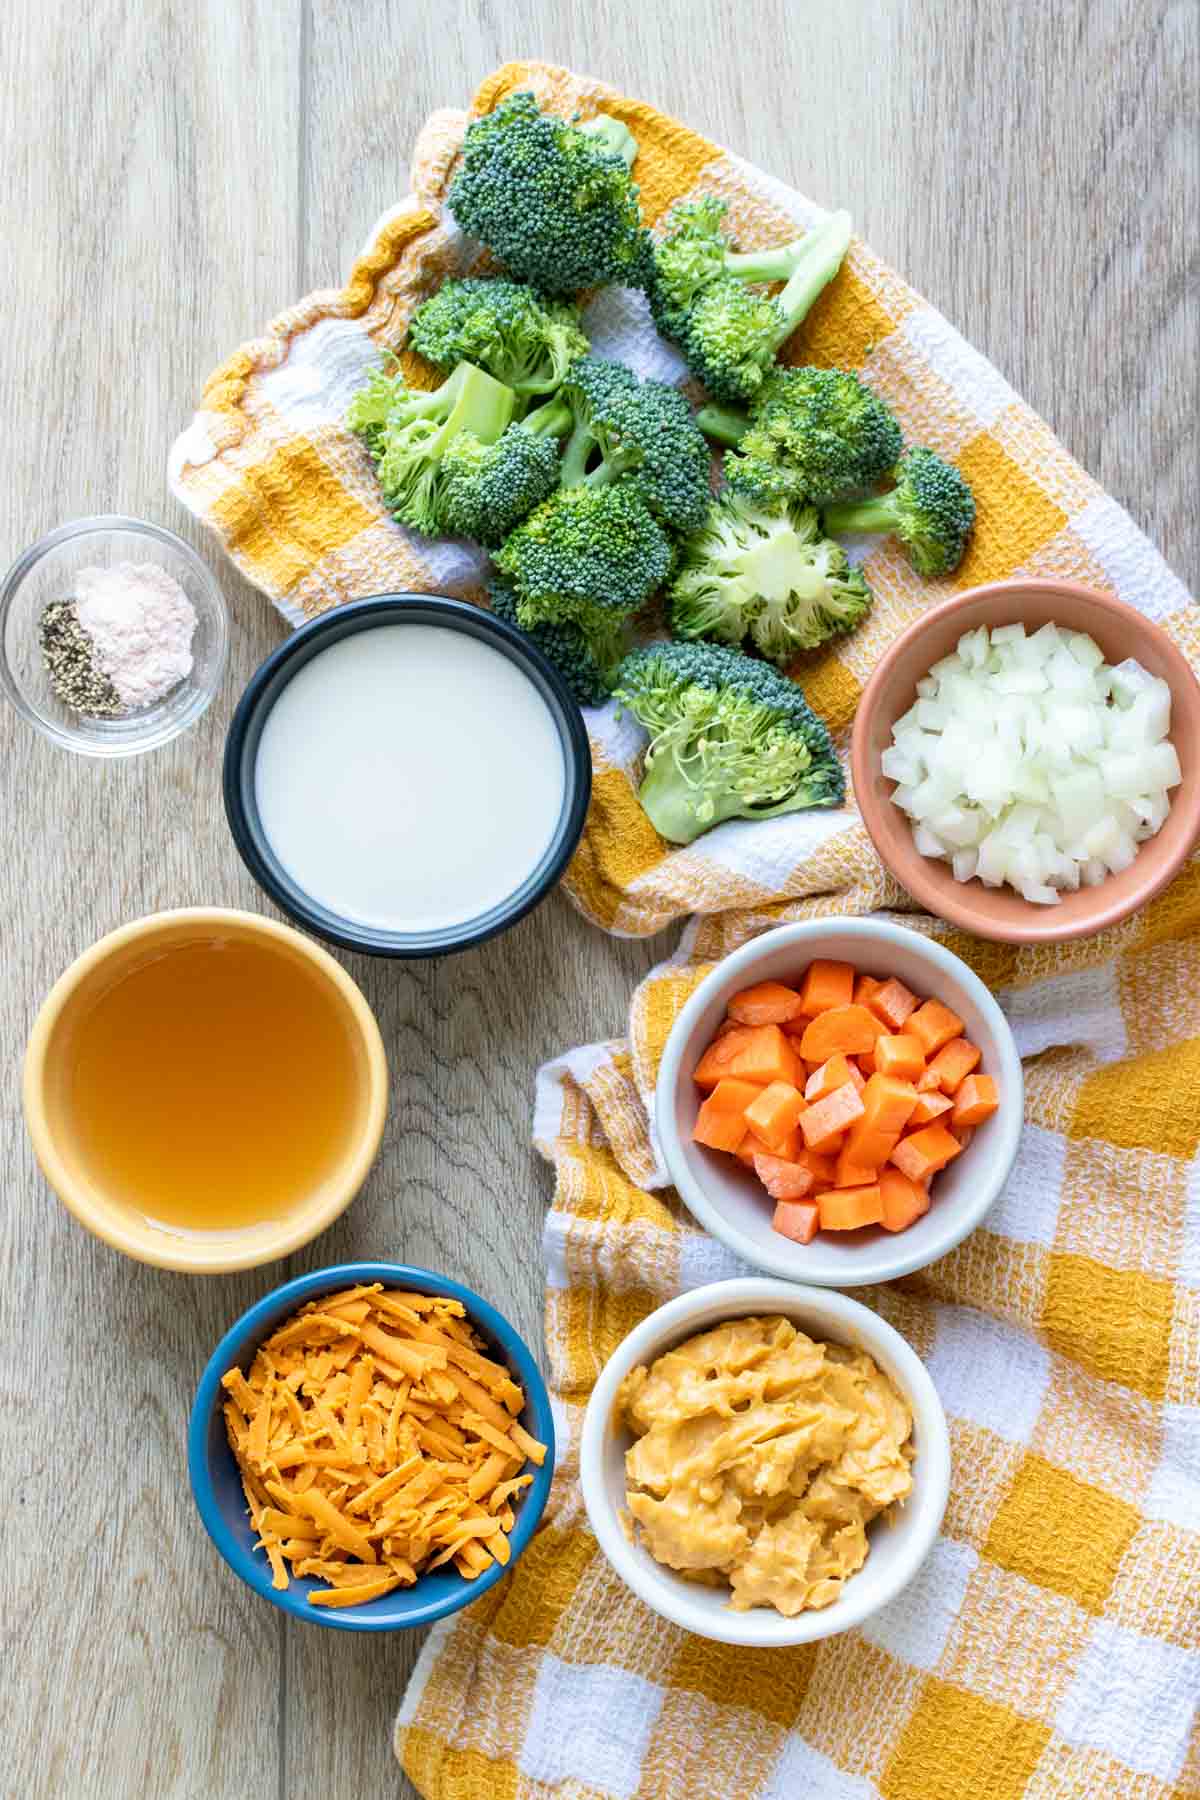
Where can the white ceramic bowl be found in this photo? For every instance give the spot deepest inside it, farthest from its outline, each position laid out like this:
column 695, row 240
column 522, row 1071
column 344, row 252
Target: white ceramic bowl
column 898, row 1544
column 730, row 1202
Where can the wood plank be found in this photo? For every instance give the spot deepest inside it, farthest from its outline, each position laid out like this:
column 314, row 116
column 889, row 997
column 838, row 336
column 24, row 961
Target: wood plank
column 148, row 213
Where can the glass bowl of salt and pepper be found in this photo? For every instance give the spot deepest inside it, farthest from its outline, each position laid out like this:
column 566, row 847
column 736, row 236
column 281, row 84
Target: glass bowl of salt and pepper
column 113, row 636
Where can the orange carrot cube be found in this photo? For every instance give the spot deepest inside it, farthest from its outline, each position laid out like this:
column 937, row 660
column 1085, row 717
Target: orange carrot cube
column 893, row 1003
column 976, row 1101
column 928, row 1108
column 825, row 1121
column 783, row 1180
column 832, row 1074
column 718, row 1059
column 924, row 1152
column 797, row 1219
column 823, row 1168
column 775, row 1113
column 847, row 1209
column 934, row 1025
column 721, row 1122
column 825, row 985
column 901, row 1056
column 764, row 1056
column 953, row 1063
column 887, row 1103
column 904, row 1201
column 864, row 987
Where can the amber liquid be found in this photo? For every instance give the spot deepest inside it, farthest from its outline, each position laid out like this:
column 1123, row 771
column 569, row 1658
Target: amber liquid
column 214, row 1085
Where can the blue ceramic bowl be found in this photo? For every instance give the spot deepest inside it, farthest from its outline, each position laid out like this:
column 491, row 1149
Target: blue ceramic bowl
column 217, row 1484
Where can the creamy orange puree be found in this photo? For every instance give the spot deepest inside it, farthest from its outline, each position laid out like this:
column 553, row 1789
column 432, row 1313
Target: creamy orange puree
column 761, row 1458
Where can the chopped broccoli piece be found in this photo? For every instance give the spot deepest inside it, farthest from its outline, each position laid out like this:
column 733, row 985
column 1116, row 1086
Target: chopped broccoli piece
column 562, row 644
column 815, row 435
column 767, row 574
column 512, row 331
column 931, row 509
column 408, row 433
column 730, row 738
column 552, row 200
column 640, row 432
column 590, row 556
column 489, row 488
column 709, row 297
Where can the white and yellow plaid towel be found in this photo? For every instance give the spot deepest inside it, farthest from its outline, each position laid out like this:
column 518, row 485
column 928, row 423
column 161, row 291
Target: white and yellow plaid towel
column 1050, row 1649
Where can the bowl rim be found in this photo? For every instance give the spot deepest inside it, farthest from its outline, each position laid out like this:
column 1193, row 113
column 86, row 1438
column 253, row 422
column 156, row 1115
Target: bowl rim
column 747, row 1295
column 1039, row 927
column 287, row 659
column 289, row 1296
column 203, row 696
column 129, row 1240
column 876, row 1262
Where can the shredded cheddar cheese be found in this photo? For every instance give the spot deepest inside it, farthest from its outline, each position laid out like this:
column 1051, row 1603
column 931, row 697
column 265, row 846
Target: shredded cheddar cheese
column 376, row 1440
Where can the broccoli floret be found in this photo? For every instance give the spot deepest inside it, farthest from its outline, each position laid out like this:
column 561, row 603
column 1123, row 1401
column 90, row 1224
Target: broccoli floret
column 563, row 644
column 489, row 488
column 767, row 574
column 512, row 331
column 590, row 556
column 408, row 433
column 730, row 738
column 643, row 432
column 703, row 293
column 552, row 200
column 931, row 509
column 813, row 435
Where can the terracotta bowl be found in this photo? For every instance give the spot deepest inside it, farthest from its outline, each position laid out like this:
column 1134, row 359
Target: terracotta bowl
column 1001, row 913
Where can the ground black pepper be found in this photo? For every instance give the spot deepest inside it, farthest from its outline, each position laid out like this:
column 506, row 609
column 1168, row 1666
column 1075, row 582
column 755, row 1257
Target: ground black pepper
column 69, row 655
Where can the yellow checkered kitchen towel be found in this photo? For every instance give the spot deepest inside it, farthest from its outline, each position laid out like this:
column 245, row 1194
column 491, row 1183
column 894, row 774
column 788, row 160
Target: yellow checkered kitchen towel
column 1051, row 1645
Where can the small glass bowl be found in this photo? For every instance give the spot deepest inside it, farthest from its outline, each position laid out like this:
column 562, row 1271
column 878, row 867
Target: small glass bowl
column 47, row 572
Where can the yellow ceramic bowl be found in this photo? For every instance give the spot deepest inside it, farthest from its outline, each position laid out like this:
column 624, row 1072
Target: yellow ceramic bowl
column 53, row 1125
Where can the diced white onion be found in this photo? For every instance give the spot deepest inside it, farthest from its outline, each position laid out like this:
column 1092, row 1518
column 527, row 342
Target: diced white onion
column 1028, row 760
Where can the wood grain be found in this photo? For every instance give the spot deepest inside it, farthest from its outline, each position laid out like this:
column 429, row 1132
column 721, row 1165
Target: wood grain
column 173, row 175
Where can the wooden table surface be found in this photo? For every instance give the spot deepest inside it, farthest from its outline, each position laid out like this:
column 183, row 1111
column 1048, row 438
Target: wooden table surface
column 173, row 173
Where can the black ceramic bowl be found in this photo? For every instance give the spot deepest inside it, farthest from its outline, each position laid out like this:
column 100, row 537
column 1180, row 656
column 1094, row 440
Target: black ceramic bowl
column 241, row 750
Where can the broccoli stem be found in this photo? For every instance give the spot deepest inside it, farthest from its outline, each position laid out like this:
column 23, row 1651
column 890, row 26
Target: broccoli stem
column 820, row 257
column 611, row 135
column 480, row 404
column 778, row 264
column 552, row 418
column 878, row 514
column 727, row 424
column 579, row 448
column 681, row 807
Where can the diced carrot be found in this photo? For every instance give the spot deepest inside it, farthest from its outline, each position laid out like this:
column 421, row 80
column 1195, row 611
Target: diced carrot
column 904, row 1200
column 846, row 1209
column 934, row 1024
column 893, row 1003
column 752, row 1146
column 928, row 1083
column 721, row 1123
column 864, row 987
column 783, row 1180
column 977, row 1100
column 826, row 985
column 716, row 1062
column 887, row 1103
column 953, row 1063
column 822, row 1168
column 928, row 1108
column 866, row 1061
column 728, row 1024
column 964, row 1133
column 775, row 1113
column 824, row 1122
column 767, row 1003
column 901, row 1056
column 765, row 1056
column 924, row 1152
column 788, row 1150
column 867, row 1146
column 797, row 1219
column 850, row 1171
column 832, row 1074
column 850, row 1029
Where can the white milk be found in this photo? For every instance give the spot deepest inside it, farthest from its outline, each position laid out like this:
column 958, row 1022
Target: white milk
column 409, row 777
